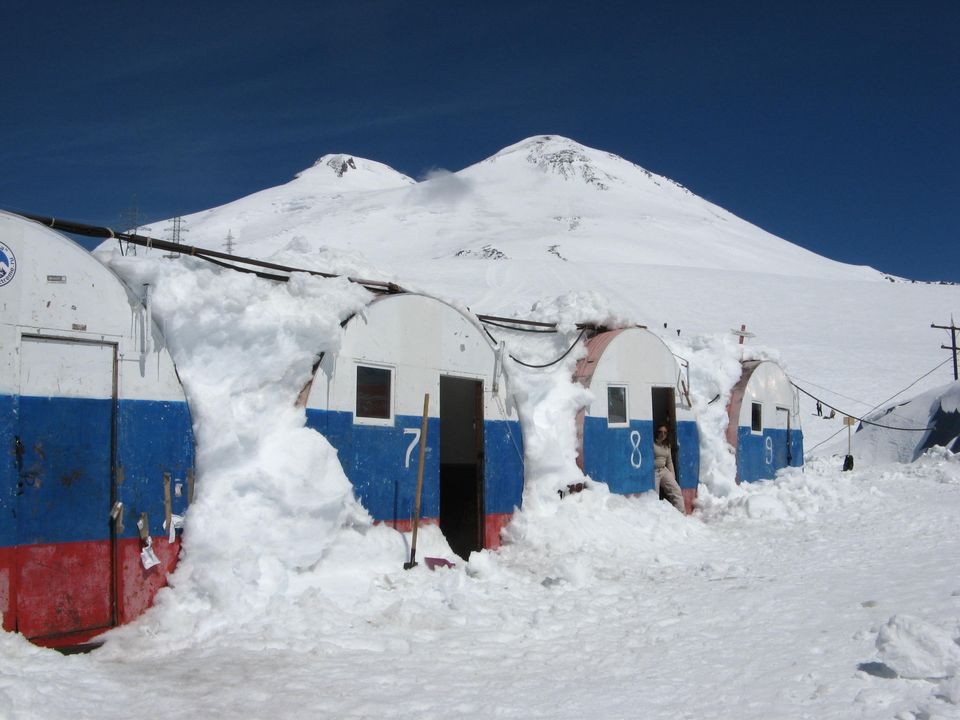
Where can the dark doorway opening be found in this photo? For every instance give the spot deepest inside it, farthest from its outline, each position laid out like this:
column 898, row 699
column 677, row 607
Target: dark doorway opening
column 665, row 413
column 461, row 464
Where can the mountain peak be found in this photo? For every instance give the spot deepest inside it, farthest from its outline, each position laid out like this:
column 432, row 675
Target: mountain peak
column 568, row 159
column 349, row 172
column 339, row 163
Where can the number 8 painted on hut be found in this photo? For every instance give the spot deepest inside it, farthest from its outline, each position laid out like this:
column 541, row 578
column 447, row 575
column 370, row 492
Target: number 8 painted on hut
column 636, row 459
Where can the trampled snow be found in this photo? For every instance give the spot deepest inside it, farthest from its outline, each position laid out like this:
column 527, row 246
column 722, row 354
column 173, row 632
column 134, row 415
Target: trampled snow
column 821, row 594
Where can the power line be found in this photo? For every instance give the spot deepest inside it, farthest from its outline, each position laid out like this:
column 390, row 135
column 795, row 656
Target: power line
column 861, row 419
column 870, row 422
column 544, row 365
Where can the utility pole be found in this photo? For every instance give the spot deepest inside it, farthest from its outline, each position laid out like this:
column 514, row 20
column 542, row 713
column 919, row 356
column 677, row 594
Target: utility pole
column 175, row 229
column 228, row 244
column 132, row 221
column 952, row 327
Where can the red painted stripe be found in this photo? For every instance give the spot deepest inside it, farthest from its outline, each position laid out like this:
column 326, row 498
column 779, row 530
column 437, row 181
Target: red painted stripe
column 136, row 587
column 64, row 588
column 495, row 522
column 406, row 526
column 64, row 594
column 8, row 587
column 689, row 497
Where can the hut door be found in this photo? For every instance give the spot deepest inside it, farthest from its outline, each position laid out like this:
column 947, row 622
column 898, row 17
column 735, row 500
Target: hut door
column 784, row 458
column 461, row 464
column 665, row 413
column 65, row 431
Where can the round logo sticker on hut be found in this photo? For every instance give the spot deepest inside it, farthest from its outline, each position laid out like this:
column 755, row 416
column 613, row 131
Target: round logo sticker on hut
column 8, row 264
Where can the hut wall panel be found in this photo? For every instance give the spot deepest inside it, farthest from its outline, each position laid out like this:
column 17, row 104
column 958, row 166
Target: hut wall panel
column 8, row 469
column 151, row 376
column 153, row 438
column 136, row 585
column 688, row 439
column 769, row 386
column 503, row 469
column 493, row 526
column 9, row 359
column 8, row 586
column 374, row 458
column 66, row 473
column 64, row 587
column 617, row 457
column 57, row 550
column 759, row 458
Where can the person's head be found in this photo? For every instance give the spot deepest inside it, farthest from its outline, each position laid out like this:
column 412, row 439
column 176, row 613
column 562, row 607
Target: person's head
column 661, row 433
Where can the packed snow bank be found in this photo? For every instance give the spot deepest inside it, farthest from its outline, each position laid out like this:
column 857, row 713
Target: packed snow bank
column 271, row 499
column 914, row 648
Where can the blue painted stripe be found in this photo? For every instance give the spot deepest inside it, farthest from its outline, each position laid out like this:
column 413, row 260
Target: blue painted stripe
column 8, row 471
column 63, row 492
column 622, row 457
column 688, row 441
column 502, row 466
column 65, row 481
column 760, row 456
column 381, row 463
column 153, row 438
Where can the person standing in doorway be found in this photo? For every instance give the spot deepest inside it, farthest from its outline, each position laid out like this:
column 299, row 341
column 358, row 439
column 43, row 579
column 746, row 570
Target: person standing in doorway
column 665, row 475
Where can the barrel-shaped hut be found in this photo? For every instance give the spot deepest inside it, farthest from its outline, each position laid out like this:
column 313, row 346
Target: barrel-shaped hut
column 637, row 386
column 97, row 467
column 367, row 398
column 764, row 422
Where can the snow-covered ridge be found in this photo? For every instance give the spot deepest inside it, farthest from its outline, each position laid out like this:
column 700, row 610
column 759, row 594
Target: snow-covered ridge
column 544, row 199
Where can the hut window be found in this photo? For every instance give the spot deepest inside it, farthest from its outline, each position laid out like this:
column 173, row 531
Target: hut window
column 756, row 417
column 373, row 393
column 616, row 405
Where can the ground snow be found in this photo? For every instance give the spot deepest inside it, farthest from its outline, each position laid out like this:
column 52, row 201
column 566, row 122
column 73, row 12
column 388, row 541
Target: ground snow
column 821, row 594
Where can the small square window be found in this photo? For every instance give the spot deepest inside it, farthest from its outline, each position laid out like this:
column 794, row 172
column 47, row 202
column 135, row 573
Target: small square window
column 756, row 417
column 616, row 405
column 373, row 392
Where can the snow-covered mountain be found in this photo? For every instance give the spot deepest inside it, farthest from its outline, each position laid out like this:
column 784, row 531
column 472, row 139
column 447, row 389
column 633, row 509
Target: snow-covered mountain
column 546, row 198
column 548, row 217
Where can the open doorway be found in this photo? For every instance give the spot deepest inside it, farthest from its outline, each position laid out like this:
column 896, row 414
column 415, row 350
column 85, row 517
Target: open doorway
column 461, row 464
column 665, row 413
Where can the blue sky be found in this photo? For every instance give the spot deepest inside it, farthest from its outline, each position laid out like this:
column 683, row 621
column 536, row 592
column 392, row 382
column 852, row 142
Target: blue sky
column 835, row 125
